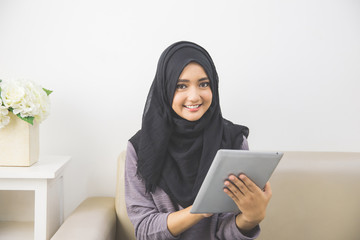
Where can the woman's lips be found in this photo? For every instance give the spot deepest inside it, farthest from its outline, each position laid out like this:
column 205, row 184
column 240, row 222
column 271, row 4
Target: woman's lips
column 193, row 108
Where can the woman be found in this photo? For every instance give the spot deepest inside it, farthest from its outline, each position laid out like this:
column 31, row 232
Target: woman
column 167, row 160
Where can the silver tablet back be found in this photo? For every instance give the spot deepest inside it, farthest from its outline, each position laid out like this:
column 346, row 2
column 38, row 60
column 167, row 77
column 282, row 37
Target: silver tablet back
column 258, row 166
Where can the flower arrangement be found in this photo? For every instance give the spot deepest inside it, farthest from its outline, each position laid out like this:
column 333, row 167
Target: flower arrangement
column 25, row 99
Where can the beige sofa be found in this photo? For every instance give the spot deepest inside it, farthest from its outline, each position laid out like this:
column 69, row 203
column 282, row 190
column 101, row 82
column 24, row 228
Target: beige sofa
column 100, row 218
column 316, row 195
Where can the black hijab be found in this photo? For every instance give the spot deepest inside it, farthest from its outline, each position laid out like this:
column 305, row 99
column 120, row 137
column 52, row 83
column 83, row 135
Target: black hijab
column 174, row 153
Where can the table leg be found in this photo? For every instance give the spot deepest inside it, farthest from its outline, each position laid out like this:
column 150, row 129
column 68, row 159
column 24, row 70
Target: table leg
column 40, row 221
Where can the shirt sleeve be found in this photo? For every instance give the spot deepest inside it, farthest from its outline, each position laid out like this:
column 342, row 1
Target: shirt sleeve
column 245, row 144
column 227, row 229
column 148, row 222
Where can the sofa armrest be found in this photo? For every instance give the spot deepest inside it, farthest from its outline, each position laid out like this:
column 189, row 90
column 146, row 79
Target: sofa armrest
column 94, row 218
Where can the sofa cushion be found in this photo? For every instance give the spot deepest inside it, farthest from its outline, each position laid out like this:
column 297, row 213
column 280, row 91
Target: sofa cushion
column 316, row 195
column 94, row 219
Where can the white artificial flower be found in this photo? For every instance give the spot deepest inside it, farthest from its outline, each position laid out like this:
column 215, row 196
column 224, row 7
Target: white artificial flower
column 4, row 118
column 25, row 98
column 39, row 100
column 12, row 94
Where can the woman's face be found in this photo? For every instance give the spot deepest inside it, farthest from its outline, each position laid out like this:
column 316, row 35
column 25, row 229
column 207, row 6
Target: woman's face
column 193, row 95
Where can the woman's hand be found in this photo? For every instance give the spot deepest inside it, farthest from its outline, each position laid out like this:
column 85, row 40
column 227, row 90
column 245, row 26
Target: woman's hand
column 249, row 198
column 180, row 221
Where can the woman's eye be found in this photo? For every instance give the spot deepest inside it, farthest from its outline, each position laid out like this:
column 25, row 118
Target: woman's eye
column 204, row 84
column 180, row 86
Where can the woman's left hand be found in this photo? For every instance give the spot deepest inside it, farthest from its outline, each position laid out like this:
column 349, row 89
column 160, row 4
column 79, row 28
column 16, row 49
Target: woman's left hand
column 250, row 199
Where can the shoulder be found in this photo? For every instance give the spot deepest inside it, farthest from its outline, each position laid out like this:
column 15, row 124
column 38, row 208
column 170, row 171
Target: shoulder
column 235, row 135
column 134, row 140
column 236, row 129
column 245, row 144
column 131, row 156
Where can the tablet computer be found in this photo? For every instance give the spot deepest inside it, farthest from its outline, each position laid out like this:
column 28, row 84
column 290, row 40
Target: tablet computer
column 258, row 166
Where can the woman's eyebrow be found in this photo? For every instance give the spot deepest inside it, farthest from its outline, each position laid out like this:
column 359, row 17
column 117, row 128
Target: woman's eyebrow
column 183, row 80
column 201, row 79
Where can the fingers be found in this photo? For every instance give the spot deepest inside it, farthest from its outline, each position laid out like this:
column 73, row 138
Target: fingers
column 237, row 186
column 244, row 185
column 248, row 183
column 231, row 195
column 206, row 215
column 232, row 188
column 267, row 190
column 249, row 198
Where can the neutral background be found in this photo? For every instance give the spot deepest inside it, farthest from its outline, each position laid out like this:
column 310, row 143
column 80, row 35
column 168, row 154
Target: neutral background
column 289, row 70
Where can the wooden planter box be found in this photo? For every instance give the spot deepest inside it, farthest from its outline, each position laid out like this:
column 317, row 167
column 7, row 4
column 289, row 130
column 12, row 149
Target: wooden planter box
column 19, row 143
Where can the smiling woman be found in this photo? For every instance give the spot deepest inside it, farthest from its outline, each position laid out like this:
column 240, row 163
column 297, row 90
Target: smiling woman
column 167, row 160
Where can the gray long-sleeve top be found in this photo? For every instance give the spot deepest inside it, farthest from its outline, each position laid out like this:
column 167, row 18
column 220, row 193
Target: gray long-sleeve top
column 149, row 211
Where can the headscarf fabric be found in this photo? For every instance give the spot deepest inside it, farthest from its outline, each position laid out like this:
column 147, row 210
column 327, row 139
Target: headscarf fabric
column 174, row 153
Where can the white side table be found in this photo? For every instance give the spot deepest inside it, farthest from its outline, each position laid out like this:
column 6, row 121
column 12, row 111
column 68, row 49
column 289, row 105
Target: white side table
column 45, row 178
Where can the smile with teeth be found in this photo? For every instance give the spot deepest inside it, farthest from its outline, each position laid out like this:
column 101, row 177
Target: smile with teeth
column 192, row 106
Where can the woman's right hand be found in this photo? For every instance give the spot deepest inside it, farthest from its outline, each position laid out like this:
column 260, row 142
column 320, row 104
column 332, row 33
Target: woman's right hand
column 182, row 220
column 206, row 215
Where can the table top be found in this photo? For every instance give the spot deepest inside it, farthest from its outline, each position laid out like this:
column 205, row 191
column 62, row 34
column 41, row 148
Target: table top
column 48, row 167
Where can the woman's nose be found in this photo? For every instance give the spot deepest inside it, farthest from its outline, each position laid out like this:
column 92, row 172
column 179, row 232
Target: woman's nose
column 193, row 95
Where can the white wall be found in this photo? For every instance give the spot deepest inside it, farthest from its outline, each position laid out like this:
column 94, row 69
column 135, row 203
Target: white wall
column 289, row 70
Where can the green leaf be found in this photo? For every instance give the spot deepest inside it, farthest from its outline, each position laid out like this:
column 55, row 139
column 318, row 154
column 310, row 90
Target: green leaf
column 26, row 119
column 48, row 92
